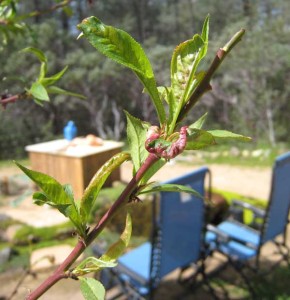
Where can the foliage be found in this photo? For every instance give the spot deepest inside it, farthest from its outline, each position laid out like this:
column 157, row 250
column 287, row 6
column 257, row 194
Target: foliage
column 249, row 94
column 162, row 143
column 150, row 145
column 28, row 233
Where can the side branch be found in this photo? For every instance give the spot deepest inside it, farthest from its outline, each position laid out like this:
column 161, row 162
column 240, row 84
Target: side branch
column 10, row 99
column 49, row 10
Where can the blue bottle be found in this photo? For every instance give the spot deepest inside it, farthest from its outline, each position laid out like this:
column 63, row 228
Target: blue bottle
column 70, row 130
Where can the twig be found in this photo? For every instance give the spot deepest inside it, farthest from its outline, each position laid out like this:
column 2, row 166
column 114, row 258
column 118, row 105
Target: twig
column 81, row 245
column 12, row 99
column 49, row 10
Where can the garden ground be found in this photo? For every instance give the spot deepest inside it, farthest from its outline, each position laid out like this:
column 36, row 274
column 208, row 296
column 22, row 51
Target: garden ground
column 252, row 182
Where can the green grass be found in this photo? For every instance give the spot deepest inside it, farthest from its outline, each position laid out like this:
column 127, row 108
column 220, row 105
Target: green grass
column 29, row 234
column 273, row 286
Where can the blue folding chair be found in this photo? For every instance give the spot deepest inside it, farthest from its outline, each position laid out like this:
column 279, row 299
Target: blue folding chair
column 177, row 240
column 241, row 243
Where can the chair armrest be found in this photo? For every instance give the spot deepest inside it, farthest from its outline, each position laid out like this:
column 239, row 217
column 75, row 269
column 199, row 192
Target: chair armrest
column 258, row 212
column 223, row 237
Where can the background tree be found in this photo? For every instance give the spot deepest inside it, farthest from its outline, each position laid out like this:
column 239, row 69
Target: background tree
column 252, row 91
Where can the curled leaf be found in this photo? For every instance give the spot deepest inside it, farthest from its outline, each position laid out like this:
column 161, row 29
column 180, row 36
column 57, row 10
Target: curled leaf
column 118, row 248
column 94, row 187
column 170, row 188
column 92, row 264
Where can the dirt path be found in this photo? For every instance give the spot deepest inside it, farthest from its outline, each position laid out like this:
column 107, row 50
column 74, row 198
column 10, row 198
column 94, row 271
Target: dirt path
column 252, row 182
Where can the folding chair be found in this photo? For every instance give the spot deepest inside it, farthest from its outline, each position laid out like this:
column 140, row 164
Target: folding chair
column 240, row 243
column 177, row 240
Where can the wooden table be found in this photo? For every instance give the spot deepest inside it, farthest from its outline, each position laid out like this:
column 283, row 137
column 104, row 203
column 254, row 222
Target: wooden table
column 74, row 165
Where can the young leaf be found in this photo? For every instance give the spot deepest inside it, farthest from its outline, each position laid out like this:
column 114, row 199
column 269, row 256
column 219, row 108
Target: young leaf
column 118, row 248
column 184, row 63
column 199, row 139
column 171, row 188
column 40, row 199
column 55, row 195
column 185, row 60
column 92, row 264
column 69, row 191
column 122, row 48
column 94, row 187
column 92, row 289
column 136, row 135
column 46, row 81
column 56, row 90
column 224, row 134
column 38, row 91
column 41, row 56
column 205, row 33
column 199, row 123
column 37, row 52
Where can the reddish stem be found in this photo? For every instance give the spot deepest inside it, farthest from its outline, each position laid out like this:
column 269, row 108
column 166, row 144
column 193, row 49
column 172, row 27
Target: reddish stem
column 81, row 245
column 10, row 99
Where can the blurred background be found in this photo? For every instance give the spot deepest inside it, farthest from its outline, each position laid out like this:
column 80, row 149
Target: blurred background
column 250, row 91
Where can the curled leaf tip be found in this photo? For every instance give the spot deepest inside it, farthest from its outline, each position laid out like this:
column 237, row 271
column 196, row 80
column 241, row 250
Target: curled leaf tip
column 80, row 35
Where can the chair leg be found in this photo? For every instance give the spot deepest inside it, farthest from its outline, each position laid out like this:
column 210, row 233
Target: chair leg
column 239, row 268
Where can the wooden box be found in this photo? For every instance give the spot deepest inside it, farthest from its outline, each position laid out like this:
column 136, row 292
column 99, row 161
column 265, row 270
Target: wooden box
column 73, row 165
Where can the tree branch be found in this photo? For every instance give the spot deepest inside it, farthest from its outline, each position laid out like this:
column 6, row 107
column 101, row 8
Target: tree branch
column 82, row 245
column 50, row 9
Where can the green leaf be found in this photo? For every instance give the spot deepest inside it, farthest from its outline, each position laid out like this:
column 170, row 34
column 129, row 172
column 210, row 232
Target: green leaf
column 55, row 195
column 38, row 91
column 92, row 289
column 224, row 134
column 69, row 191
column 199, row 123
column 184, row 63
column 43, row 70
column 123, row 49
column 199, row 139
column 118, row 248
column 171, row 188
column 92, row 264
column 37, row 52
column 41, row 56
column 136, row 135
column 40, row 198
column 92, row 191
column 46, row 81
column 205, row 33
column 57, row 90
